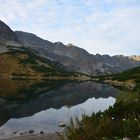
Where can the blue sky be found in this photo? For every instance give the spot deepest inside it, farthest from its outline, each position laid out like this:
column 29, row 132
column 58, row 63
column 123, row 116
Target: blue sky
column 99, row 26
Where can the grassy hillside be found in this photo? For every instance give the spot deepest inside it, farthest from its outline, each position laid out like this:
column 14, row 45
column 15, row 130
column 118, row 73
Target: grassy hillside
column 127, row 78
column 133, row 74
column 129, row 75
column 22, row 62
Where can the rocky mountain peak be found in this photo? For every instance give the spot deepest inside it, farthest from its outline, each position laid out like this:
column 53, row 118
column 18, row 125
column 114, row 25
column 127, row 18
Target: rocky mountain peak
column 58, row 44
column 135, row 57
column 6, row 34
column 32, row 40
column 70, row 45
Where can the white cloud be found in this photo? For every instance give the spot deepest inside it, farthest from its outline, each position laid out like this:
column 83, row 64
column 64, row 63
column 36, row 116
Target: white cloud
column 109, row 26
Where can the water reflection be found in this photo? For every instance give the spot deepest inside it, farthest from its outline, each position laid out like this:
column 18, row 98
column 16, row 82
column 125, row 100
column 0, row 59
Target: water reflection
column 46, row 103
column 48, row 120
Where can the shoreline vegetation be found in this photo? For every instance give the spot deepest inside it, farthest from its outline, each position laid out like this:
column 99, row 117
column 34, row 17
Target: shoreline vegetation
column 48, row 136
column 49, row 77
column 119, row 122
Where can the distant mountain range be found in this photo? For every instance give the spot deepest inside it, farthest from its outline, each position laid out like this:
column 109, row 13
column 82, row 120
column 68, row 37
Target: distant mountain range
column 34, row 55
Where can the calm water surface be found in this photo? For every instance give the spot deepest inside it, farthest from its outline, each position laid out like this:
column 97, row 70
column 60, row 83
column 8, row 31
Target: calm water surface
column 40, row 106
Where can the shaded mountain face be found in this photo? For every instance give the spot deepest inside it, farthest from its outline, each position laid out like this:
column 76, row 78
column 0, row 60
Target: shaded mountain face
column 6, row 34
column 7, row 38
column 71, row 57
column 18, row 61
column 76, row 59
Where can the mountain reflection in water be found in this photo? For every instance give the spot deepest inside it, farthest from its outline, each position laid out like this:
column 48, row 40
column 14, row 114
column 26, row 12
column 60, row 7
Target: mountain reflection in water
column 44, row 103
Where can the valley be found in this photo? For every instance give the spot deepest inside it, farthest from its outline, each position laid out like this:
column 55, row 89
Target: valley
column 44, row 84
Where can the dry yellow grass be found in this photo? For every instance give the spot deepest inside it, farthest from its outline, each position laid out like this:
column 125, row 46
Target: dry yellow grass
column 10, row 64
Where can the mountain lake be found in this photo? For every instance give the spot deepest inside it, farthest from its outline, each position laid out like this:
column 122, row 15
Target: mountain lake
column 41, row 106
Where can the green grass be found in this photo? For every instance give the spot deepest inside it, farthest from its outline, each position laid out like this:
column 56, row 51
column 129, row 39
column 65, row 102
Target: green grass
column 133, row 73
column 129, row 74
column 44, row 69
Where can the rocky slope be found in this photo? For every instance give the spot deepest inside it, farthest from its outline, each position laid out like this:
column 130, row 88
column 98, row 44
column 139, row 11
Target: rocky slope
column 135, row 57
column 7, row 38
column 6, row 33
column 20, row 62
column 75, row 58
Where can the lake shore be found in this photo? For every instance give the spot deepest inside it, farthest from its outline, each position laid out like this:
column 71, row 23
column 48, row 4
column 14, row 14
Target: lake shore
column 48, row 136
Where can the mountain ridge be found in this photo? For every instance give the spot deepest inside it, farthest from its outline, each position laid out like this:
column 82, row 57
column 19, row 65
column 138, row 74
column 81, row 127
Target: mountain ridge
column 6, row 33
column 70, row 57
column 20, row 62
column 78, row 59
